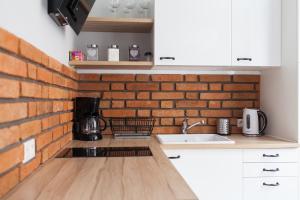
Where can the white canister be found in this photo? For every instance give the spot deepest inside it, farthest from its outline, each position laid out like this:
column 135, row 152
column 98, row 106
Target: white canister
column 113, row 53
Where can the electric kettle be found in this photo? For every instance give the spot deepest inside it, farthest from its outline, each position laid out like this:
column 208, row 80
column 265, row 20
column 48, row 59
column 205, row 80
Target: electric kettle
column 254, row 122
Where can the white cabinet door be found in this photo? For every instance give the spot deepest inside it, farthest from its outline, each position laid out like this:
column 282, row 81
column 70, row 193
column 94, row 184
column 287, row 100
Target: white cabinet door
column 256, row 33
column 271, row 188
column 193, row 32
column 211, row 174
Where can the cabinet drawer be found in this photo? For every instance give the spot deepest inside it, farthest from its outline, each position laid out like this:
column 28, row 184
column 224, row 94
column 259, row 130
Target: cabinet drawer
column 270, row 188
column 270, row 155
column 270, row 169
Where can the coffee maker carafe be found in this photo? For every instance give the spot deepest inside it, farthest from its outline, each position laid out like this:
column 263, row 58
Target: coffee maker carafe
column 87, row 119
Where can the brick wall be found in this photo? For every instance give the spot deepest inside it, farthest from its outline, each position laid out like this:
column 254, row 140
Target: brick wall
column 170, row 98
column 35, row 102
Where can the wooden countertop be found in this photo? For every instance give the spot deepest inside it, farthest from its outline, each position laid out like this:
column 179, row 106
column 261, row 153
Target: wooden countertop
column 130, row 178
column 241, row 142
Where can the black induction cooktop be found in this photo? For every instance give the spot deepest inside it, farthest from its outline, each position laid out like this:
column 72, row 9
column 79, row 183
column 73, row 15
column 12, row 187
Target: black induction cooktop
column 105, row 152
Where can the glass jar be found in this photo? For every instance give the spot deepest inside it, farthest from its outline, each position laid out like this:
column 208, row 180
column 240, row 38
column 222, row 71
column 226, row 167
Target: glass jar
column 92, row 52
column 134, row 53
column 113, row 53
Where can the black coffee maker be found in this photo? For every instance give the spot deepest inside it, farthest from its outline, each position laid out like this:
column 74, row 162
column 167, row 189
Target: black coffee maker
column 87, row 119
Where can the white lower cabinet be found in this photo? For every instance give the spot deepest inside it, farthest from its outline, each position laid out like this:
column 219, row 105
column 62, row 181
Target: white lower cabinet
column 234, row 174
column 211, row 174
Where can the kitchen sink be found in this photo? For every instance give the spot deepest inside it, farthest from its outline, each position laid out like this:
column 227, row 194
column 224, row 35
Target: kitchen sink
column 194, row 139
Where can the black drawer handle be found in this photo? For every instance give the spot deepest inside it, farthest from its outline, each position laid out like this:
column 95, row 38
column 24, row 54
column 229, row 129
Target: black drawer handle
column 247, row 59
column 271, row 156
column 174, row 157
column 271, row 185
column 167, row 58
column 271, row 170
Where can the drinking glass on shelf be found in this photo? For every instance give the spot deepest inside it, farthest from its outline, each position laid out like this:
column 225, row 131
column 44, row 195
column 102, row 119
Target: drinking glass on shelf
column 145, row 5
column 129, row 6
column 115, row 4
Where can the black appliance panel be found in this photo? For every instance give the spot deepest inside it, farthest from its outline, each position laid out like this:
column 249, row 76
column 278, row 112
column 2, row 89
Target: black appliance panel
column 105, row 152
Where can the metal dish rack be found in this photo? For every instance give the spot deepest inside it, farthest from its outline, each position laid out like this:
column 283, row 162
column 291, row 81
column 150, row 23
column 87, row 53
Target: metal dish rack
column 132, row 127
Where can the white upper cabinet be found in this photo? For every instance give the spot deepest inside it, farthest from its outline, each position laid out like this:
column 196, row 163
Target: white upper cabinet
column 193, row 32
column 218, row 33
column 256, row 33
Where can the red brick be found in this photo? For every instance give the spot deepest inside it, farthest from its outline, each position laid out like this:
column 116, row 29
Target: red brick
column 168, row 95
column 212, row 121
column 50, row 122
column 31, row 90
column 118, row 77
column 59, row 80
column 89, row 77
column 191, row 104
column 9, row 41
column 9, row 88
column 215, row 96
column 45, row 60
column 167, row 77
column 142, row 86
column 203, row 130
column 104, row 104
column 238, row 87
column 191, row 86
column 57, row 132
column 237, row 104
column 43, row 140
column 142, row 104
column 32, row 71
column 142, row 77
column 143, row 95
column 12, row 66
column 235, row 130
column 246, row 95
column 44, row 75
column 30, row 128
column 215, row 86
column 192, row 95
column 237, row 113
column 66, row 117
column 55, row 64
column 118, row 95
column 28, row 168
column 9, row 181
column 144, row 113
column 166, row 121
column 45, row 92
column 50, row 151
column 11, row 157
column 29, row 51
column 32, row 109
column 65, row 140
column 167, row 86
column 257, row 87
column 10, row 135
column 192, row 113
column 44, row 107
column 246, row 78
column 216, row 113
column 215, row 78
column 117, row 86
column 12, row 111
column 191, row 78
column 167, row 130
column 214, row 104
column 94, row 86
column 168, row 113
column 117, row 104
column 58, row 106
column 118, row 113
column 166, row 104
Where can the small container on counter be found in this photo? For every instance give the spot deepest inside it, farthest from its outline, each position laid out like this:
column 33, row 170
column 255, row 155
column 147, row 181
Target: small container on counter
column 148, row 56
column 223, row 126
column 134, row 53
column 113, row 53
column 92, row 52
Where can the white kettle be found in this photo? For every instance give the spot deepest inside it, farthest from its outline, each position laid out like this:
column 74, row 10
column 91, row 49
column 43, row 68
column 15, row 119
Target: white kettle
column 254, row 122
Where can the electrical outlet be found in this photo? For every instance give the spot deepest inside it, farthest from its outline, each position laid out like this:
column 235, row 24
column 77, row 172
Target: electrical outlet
column 29, row 150
column 240, row 123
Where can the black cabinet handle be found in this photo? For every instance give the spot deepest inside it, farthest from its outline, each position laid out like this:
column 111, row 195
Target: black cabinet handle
column 167, row 58
column 174, row 157
column 247, row 59
column 271, row 156
column 271, row 185
column 271, row 170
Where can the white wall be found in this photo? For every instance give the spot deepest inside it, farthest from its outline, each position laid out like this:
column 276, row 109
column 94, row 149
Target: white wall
column 29, row 20
column 279, row 91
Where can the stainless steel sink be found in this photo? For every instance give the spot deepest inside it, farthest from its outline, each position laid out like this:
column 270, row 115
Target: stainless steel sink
column 194, row 139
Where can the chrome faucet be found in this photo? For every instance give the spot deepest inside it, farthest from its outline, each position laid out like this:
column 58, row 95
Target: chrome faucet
column 186, row 127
